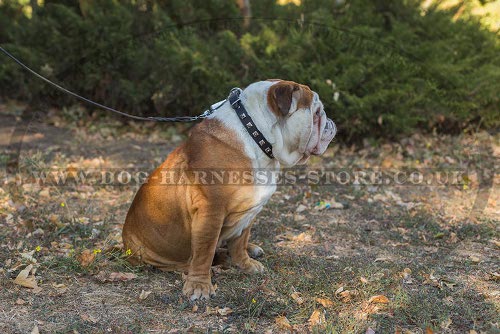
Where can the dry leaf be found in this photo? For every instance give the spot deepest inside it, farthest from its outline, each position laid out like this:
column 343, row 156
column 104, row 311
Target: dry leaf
column 369, row 331
column 325, row 302
column 474, row 259
column 25, row 279
column 317, row 318
column 144, row 294
column 283, row 322
column 345, row 296
column 86, row 317
column 363, row 280
column 301, row 208
column 122, row 276
column 453, row 238
column 494, row 276
column 195, row 308
column 35, row 330
column 339, row 290
column 429, row 330
column 44, row 193
column 19, row 301
column 29, row 256
column 54, row 219
column 303, row 237
column 114, row 277
column 210, row 310
column 496, row 243
column 86, row 257
column 297, row 297
column 380, row 299
column 224, row 311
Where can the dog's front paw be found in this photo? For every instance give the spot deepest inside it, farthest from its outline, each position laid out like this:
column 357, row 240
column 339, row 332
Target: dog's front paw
column 252, row 266
column 254, row 251
column 198, row 288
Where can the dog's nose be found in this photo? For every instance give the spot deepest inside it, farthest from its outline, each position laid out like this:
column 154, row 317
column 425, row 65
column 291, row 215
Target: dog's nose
column 330, row 126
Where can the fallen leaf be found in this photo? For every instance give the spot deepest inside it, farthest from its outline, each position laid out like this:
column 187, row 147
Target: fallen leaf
column 429, row 330
column 55, row 219
column 325, row 302
column 496, row 243
column 494, row 276
column 44, row 193
column 339, row 290
column 114, row 277
column 35, row 330
column 474, row 259
column 86, row 317
column 86, row 257
column 379, row 299
column 345, row 295
column 224, row 311
column 25, row 279
column 122, row 276
column 210, row 310
column 195, row 308
column 303, row 237
column 453, row 238
column 144, row 294
column 297, row 297
column 317, row 318
column 369, row 331
column 283, row 322
column 29, row 256
column 446, row 323
column 298, row 218
column 19, row 301
column 60, row 287
column 363, row 280
column 301, row 208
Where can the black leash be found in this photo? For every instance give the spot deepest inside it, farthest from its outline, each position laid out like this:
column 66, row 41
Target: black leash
column 234, row 99
column 152, row 118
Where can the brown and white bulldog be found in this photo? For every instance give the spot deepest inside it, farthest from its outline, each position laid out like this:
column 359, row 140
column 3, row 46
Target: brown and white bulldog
column 177, row 225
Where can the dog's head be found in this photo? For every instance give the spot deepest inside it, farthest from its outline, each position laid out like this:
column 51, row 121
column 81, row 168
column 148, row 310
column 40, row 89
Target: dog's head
column 301, row 128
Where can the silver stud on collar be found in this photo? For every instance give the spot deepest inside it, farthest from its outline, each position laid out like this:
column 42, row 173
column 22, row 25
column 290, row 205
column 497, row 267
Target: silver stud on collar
column 255, row 134
column 243, row 116
column 262, row 142
column 249, row 124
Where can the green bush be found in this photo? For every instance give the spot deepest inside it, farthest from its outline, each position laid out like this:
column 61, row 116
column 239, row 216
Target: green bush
column 382, row 68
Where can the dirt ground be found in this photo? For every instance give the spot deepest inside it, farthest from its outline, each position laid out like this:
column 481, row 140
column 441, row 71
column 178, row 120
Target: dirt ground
column 384, row 258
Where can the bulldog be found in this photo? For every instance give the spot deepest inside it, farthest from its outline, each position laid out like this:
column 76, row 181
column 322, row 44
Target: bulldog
column 179, row 222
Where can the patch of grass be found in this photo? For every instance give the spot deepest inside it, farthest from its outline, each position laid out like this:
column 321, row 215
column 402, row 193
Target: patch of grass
column 473, row 231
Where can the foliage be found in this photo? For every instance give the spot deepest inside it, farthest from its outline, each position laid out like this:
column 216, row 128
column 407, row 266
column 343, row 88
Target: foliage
column 382, row 68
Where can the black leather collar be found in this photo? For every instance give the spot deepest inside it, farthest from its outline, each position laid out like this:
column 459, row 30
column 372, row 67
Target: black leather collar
column 248, row 123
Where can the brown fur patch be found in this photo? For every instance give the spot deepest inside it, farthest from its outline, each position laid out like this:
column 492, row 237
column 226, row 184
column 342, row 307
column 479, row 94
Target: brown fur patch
column 279, row 97
column 175, row 227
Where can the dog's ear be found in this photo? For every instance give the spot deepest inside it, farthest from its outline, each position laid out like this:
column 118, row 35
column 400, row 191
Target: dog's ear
column 280, row 97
